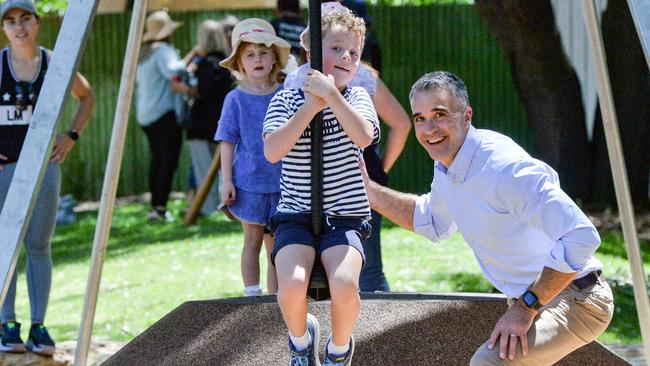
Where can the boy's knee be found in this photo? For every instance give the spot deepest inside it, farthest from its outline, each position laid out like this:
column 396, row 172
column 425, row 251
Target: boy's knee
column 292, row 288
column 344, row 289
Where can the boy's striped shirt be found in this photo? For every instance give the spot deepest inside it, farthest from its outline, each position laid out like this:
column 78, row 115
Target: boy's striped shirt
column 343, row 190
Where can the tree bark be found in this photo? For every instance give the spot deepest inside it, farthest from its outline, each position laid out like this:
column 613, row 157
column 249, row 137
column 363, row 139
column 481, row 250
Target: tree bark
column 630, row 79
column 547, row 86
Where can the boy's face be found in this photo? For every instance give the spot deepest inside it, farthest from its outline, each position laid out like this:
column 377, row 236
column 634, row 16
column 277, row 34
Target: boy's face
column 341, row 55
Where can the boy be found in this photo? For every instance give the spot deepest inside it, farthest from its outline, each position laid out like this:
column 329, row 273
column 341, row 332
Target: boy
column 349, row 125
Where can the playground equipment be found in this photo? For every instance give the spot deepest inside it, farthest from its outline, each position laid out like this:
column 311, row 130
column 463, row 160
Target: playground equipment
column 393, row 329
column 25, row 186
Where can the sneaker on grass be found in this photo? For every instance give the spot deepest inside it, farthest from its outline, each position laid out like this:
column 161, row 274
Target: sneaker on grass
column 308, row 356
column 39, row 340
column 10, row 339
column 339, row 360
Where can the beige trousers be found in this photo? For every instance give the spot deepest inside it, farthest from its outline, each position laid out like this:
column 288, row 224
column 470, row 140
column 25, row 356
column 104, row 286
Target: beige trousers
column 574, row 318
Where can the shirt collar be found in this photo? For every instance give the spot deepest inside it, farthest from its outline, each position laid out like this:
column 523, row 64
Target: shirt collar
column 459, row 167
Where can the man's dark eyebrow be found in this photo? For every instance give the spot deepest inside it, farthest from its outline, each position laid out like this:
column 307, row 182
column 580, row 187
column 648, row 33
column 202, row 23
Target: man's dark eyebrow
column 415, row 114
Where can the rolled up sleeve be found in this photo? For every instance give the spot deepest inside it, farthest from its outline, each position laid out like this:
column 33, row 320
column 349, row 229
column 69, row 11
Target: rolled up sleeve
column 532, row 192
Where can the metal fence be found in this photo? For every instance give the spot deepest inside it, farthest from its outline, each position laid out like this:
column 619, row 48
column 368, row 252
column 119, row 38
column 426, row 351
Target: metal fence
column 414, row 40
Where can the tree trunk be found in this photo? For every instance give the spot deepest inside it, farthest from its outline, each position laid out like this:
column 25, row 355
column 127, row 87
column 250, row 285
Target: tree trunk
column 547, row 86
column 630, row 81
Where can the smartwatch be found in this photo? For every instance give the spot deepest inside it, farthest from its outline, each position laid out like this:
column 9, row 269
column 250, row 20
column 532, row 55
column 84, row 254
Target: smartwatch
column 73, row 135
column 531, row 300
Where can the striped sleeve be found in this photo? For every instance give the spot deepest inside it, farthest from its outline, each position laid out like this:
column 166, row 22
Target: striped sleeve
column 360, row 100
column 278, row 112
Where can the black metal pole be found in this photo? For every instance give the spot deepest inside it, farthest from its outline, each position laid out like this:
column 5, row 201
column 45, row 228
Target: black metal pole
column 318, row 287
column 316, row 63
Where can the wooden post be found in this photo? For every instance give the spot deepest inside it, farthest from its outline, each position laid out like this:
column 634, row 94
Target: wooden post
column 619, row 172
column 202, row 193
column 35, row 155
column 111, row 178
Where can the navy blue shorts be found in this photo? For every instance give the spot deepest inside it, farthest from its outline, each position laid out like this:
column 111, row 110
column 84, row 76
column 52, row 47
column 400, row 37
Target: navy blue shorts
column 296, row 228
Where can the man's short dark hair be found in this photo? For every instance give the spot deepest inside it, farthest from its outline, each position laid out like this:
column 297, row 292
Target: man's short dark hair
column 292, row 6
column 445, row 80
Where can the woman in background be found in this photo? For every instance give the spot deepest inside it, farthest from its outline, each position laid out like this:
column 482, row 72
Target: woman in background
column 155, row 106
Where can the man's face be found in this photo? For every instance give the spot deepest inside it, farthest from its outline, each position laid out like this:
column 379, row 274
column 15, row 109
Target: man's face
column 341, row 55
column 441, row 124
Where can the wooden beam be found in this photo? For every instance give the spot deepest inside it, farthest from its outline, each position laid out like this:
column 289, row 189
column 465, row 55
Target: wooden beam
column 119, row 6
column 35, row 155
column 619, row 173
column 111, row 179
column 111, row 6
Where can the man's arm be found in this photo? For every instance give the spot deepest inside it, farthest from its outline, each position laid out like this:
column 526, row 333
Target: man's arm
column 398, row 207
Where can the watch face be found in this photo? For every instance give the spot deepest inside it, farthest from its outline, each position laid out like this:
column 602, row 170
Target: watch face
column 529, row 298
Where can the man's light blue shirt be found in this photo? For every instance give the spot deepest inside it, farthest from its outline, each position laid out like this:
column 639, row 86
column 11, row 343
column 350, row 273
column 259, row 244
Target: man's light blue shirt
column 511, row 211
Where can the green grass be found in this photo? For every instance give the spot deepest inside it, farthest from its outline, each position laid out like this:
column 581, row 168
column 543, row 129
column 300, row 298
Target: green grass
column 150, row 269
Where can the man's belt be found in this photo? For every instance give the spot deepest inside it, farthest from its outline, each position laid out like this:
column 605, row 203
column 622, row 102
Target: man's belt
column 590, row 279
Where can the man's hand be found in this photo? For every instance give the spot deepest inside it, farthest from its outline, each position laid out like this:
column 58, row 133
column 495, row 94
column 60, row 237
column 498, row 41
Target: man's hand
column 2, row 158
column 513, row 325
column 61, row 148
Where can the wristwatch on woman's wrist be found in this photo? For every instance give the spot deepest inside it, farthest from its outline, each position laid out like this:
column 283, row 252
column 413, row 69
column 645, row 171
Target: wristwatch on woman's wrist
column 73, row 135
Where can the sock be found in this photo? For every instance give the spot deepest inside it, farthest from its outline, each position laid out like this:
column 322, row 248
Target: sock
column 333, row 349
column 254, row 290
column 302, row 342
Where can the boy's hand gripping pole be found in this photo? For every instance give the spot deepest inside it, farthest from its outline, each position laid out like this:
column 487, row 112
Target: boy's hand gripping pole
column 318, row 288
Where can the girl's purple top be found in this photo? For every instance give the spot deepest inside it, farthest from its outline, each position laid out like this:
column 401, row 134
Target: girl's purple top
column 241, row 124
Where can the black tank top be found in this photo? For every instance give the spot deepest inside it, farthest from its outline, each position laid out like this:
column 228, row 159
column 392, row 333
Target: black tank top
column 17, row 101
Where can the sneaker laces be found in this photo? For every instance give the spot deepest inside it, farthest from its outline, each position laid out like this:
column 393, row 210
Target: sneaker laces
column 40, row 333
column 299, row 359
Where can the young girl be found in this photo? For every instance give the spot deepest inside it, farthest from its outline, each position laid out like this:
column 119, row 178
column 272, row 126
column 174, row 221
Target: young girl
column 349, row 125
column 251, row 184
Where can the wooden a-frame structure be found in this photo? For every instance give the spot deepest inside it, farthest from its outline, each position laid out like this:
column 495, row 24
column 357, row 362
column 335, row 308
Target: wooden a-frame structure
column 25, row 186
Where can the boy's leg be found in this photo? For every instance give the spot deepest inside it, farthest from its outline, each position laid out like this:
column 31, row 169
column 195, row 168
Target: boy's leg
column 293, row 265
column 250, row 257
column 342, row 264
column 271, row 276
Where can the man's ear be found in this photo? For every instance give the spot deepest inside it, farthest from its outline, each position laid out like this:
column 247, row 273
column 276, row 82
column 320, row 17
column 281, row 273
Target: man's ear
column 468, row 116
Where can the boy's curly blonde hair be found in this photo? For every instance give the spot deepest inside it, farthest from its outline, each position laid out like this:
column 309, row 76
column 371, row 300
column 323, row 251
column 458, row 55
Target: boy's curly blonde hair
column 341, row 18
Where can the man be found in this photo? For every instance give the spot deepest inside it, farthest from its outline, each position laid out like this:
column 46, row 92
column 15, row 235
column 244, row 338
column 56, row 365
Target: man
column 530, row 239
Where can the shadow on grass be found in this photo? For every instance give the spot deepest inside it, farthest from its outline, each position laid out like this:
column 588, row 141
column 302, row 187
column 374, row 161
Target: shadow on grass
column 463, row 282
column 130, row 230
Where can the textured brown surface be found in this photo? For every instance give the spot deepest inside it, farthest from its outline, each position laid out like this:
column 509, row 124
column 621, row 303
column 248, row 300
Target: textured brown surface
column 393, row 329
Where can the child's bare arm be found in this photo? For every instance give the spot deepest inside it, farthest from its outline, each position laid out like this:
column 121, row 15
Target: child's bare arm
column 358, row 128
column 228, row 193
column 278, row 143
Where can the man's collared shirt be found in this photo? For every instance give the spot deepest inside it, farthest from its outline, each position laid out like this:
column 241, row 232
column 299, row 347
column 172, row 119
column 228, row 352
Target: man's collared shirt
column 511, row 211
